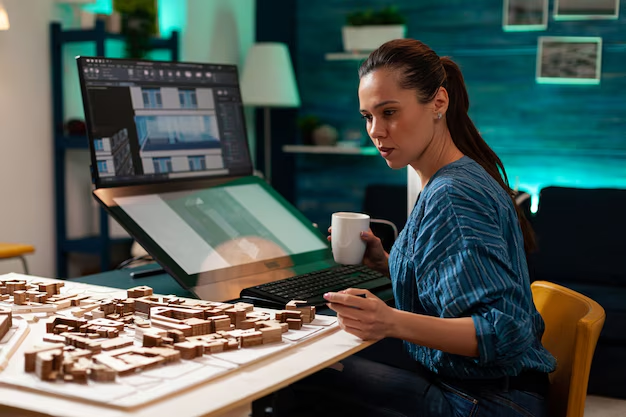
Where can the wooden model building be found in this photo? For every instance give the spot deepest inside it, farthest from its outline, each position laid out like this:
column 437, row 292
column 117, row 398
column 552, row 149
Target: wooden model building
column 24, row 297
column 102, row 338
column 6, row 321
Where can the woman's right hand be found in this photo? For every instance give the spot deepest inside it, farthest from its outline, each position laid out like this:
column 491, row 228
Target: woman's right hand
column 375, row 256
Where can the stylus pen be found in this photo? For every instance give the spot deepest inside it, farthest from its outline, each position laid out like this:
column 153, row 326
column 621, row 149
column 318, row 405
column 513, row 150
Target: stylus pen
column 147, row 273
column 312, row 303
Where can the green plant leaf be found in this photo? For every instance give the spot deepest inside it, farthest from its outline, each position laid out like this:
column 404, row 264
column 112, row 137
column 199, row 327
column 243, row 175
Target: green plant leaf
column 308, row 123
column 389, row 15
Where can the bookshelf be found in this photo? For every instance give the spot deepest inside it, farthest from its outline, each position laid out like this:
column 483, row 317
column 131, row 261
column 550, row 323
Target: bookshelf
column 101, row 243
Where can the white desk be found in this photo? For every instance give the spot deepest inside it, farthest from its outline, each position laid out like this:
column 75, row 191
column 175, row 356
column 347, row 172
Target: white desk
column 217, row 397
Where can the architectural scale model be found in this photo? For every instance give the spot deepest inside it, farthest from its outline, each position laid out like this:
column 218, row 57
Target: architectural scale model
column 94, row 343
column 12, row 332
column 86, row 338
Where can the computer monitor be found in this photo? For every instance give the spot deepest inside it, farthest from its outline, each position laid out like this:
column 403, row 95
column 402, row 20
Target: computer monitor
column 157, row 121
column 171, row 164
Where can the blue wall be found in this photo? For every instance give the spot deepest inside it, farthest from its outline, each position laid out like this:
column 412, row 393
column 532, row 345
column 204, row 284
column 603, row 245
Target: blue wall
column 568, row 135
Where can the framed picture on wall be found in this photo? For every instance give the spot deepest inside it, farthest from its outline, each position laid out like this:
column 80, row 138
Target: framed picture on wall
column 524, row 15
column 569, row 60
column 586, row 9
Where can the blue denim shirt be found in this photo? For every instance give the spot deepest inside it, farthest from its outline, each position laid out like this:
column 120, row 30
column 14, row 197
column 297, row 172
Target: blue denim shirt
column 461, row 254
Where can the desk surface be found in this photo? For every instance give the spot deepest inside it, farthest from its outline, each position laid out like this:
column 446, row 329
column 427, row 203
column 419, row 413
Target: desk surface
column 166, row 284
column 213, row 397
column 120, row 278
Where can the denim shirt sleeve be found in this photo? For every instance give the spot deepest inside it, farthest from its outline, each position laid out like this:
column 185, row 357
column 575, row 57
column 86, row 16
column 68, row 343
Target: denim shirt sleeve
column 461, row 254
column 478, row 283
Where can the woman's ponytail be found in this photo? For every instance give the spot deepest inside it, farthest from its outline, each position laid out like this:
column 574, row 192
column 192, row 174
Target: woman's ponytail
column 468, row 140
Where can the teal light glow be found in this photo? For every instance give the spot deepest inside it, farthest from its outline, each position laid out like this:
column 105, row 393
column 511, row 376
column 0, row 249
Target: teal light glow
column 571, row 81
column 100, row 6
column 523, row 28
column 562, row 18
column 530, row 172
column 534, row 203
column 172, row 16
column 172, row 13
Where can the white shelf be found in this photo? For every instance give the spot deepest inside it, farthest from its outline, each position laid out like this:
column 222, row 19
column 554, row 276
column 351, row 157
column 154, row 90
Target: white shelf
column 345, row 56
column 339, row 150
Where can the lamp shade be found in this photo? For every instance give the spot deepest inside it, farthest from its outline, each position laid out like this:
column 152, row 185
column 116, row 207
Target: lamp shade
column 268, row 79
column 4, row 18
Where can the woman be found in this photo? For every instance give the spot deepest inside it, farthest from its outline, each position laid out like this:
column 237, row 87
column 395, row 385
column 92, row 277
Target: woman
column 459, row 271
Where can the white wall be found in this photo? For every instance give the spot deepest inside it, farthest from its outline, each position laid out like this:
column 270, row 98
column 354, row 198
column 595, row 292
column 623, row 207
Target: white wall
column 214, row 31
column 221, row 31
column 414, row 188
column 27, row 201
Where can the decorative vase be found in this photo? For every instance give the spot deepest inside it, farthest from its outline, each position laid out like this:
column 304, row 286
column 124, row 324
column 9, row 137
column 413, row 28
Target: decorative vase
column 368, row 38
column 325, row 135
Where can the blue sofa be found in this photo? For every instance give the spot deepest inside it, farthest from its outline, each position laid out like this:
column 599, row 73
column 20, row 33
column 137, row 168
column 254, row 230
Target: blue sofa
column 581, row 236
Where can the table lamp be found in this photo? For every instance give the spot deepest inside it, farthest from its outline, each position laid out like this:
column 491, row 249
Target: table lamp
column 4, row 18
column 268, row 81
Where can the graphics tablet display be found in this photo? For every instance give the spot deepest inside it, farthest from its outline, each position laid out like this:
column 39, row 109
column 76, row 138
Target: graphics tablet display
column 214, row 232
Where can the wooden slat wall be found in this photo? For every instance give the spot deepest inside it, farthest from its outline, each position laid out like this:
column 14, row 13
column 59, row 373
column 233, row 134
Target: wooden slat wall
column 571, row 135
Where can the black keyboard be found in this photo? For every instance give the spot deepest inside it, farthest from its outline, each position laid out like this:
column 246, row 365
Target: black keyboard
column 311, row 287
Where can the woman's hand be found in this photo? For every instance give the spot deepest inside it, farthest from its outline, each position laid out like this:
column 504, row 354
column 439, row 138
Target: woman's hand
column 375, row 256
column 368, row 318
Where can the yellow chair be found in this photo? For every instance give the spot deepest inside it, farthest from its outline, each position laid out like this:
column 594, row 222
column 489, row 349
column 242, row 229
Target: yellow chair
column 16, row 250
column 573, row 325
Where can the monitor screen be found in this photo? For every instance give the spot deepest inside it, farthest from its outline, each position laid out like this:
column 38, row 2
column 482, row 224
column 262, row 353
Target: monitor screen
column 156, row 121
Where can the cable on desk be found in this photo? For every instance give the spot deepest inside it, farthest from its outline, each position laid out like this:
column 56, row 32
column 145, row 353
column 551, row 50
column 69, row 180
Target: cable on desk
column 131, row 261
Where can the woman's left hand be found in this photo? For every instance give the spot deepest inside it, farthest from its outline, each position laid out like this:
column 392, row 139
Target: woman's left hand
column 368, row 318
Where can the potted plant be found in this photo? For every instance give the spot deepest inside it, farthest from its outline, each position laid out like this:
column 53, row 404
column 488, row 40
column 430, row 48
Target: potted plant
column 307, row 125
column 139, row 23
column 368, row 29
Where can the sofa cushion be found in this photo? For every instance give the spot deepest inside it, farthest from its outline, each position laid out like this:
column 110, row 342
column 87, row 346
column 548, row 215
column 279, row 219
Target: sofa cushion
column 612, row 299
column 607, row 377
column 387, row 202
column 581, row 236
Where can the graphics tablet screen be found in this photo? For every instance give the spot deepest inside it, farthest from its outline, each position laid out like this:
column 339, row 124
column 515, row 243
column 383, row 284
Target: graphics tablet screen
column 203, row 233
column 221, row 227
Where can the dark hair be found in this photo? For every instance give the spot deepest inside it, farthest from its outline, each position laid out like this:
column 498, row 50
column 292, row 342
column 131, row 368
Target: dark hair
column 424, row 71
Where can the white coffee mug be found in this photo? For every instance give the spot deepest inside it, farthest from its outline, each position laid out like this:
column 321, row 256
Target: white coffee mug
column 348, row 247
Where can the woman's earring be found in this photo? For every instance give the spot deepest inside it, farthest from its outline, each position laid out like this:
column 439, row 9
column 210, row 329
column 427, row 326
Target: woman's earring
column 439, row 115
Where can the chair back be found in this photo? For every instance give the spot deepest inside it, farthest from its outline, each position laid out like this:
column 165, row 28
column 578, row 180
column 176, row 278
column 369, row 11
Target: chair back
column 573, row 324
column 16, row 250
